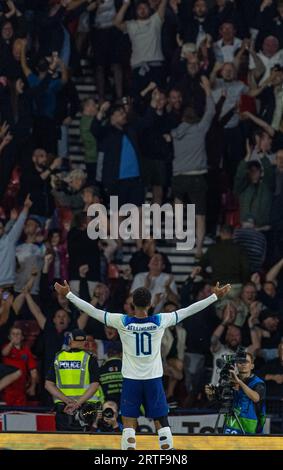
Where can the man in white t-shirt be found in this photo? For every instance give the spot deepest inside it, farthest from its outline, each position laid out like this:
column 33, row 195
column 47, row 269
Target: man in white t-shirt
column 229, row 43
column 159, row 284
column 270, row 56
column 145, row 35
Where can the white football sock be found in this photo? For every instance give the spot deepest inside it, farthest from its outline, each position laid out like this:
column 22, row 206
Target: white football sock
column 128, row 439
column 165, row 438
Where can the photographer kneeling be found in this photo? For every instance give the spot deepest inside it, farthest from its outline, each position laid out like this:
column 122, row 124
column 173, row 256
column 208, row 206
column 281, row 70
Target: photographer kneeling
column 107, row 419
column 247, row 407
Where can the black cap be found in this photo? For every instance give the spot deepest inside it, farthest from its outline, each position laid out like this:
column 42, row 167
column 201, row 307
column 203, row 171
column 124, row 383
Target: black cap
column 78, row 335
column 268, row 314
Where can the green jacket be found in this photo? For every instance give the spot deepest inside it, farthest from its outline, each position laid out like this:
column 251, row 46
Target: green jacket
column 255, row 200
column 88, row 140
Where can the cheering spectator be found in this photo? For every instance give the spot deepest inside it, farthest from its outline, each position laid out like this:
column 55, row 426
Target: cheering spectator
column 272, row 373
column 226, row 259
column 228, row 44
column 270, row 56
column 145, row 36
column 194, row 27
column 190, row 162
column 139, row 261
column 253, row 185
column 89, row 111
column 36, row 181
column 270, row 333
column 57, row 248
column 69, row 192
column 121, row 175
column 29, row 255
column 233, row 339
column 45, row 134
column 8, row 243
column 161, row 285
column 54, row 330
column 17, row 355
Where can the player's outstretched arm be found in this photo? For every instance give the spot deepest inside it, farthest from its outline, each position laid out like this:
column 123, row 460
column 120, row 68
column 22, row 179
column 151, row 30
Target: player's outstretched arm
column 218, row 293
column 79, row 303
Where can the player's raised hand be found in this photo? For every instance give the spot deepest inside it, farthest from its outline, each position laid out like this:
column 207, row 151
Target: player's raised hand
column 221, row 291
column 62, row 290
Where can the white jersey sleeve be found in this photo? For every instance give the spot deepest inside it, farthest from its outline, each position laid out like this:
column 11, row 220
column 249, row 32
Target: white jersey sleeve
column 86, row 307
column 171, row 319
column 115, row 320
column 168, row 319
column 109, row 319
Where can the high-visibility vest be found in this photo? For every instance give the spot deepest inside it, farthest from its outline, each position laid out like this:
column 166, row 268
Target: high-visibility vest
column 72, row 375
column 245, row 409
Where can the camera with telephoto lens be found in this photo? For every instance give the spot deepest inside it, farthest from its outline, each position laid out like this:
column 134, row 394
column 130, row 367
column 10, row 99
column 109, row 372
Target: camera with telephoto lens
column 108, row 413
column 86, row 415
column 224, row 389
column 102, row 425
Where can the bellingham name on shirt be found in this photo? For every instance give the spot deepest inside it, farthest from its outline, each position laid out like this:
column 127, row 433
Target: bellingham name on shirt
column 141, row 328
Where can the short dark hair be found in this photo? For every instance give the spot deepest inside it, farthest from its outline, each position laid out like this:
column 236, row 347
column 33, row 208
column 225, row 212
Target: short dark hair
column 140, row 2
column 116, row 107
column 141, row 297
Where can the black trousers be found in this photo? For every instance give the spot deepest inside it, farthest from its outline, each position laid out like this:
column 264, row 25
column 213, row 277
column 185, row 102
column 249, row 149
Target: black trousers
column 65, row 422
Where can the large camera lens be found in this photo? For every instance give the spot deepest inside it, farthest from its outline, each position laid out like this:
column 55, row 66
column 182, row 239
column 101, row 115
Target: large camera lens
column 108, row 413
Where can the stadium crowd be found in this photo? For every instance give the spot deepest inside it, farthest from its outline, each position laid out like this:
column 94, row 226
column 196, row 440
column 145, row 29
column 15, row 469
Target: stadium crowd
column 188, row 106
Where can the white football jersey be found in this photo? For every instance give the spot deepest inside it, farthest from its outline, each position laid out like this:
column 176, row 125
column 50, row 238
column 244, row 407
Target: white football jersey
column 141, row 340
column 141, row 337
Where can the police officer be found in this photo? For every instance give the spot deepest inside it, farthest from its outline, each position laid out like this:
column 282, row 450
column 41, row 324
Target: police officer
column 248, row 400
column 73, row 381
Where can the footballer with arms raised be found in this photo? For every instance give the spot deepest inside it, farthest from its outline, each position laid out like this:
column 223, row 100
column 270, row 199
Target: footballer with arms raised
column 142, row 370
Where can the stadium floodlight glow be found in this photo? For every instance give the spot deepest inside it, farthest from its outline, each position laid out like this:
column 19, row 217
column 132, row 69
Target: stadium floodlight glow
column 145, row 222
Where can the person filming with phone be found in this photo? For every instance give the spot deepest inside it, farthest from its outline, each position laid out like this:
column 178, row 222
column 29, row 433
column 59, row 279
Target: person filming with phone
column 241, row 394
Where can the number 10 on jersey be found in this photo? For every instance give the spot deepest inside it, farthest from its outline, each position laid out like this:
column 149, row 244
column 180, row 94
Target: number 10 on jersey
column 143, row 344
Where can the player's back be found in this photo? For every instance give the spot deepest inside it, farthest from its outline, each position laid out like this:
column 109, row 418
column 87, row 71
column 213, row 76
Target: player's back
column 141, row 340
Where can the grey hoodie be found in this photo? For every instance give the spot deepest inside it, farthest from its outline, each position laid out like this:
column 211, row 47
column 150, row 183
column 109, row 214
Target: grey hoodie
column 189, row 143
column 8, row 243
